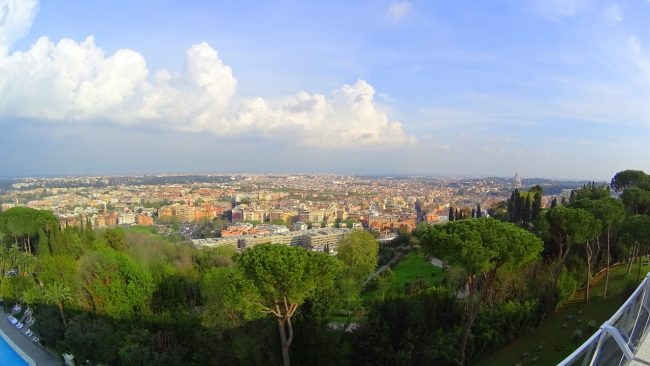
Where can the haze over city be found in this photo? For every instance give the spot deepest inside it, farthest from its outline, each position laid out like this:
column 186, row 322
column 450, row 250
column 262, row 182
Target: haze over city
column 544, row 88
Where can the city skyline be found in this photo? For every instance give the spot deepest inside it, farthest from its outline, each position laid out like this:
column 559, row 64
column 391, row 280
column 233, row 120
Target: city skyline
column 553, row 89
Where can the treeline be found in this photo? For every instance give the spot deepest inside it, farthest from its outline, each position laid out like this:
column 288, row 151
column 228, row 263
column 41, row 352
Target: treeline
column 524, row 207
column 511, row 272
column 122, row 297
column 464, row 213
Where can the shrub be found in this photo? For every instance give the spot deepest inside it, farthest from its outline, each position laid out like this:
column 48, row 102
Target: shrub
column 628, row 289
column 576, row 336
column 592, row 325
column 566, row 287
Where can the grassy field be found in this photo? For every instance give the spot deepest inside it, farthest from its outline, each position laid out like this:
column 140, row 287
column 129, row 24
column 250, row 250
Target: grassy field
column 142, row 229
column 409, row 269
column 412, row 267
column 555, row 334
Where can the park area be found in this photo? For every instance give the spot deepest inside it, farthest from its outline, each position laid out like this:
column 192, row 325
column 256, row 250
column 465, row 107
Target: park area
column 413, row 268
column 557, row 338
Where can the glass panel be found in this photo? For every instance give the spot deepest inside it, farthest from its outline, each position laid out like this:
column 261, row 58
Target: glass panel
column 632, row 321
column 609, row 353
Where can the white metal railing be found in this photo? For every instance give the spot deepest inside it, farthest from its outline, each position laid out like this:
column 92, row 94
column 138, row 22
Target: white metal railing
column 618, row 339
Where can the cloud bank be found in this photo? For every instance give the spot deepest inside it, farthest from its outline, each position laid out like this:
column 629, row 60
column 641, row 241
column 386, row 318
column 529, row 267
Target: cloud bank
column 77, row 82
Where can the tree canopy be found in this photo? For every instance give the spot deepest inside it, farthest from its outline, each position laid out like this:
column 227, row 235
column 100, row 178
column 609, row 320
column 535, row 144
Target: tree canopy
column 630, row 179
column 481, row 247
column 29, row 227
column 271, row 279
column 567, row 227
column 359, row 252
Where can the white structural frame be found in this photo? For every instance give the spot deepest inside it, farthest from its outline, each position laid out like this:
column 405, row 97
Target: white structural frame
column 618, row 339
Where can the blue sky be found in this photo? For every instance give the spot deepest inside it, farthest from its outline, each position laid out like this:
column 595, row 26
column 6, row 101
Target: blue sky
column 553, row 88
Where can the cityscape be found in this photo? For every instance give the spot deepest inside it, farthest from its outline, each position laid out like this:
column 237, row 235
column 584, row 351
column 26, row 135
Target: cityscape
column 324, row 183
column 261, row 208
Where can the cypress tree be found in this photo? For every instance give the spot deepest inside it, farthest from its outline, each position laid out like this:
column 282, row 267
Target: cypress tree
column 89, row 233
column 518, row 211
column 526, row 211
column 512, row 208
column 537, row 206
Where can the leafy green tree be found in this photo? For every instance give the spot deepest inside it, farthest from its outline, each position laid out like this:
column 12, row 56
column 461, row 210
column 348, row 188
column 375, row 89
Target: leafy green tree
column 172, row 293
column 221, row 256
column 142, row 347
column 16, row 272
column 526, row 217
column 49, row 325
column 88, row 231
column 536, row 207
column 285, row 277
column 58, row 294
column 499, row 211
column 590, row 191
column 636, row 231
column 410, row 330
column 230, row 298
column 382, row 282
column 115, row 238
column 481, row 247
column 93, row 338
column 636, row 200
column 24, row 225
column 8, row 258
column 114, row 284
column 566, row 227
column 610, row 212
column 58, row 268
column 595, row 228
column 629, row 179
column 359, row 253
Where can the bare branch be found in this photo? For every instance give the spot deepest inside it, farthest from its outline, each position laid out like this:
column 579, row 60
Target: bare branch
column 293, row 309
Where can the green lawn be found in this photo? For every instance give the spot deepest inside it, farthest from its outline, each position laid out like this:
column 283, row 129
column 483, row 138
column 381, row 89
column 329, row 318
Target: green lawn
column 142, row 229
column 554, row 336
column 409, row 269
column 412, row 267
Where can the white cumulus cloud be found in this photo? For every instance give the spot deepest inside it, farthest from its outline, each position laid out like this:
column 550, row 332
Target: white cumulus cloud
column 77, row 82
column 398, row 10
column 348, row 117
column 16, row 17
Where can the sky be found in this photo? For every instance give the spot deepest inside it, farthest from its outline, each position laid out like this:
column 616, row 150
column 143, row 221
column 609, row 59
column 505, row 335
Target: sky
column 542, row 88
